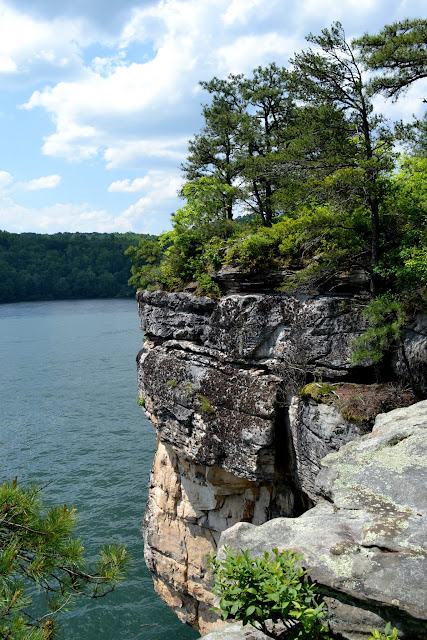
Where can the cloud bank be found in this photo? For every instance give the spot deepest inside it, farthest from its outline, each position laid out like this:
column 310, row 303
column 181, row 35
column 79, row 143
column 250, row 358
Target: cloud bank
column 116, row 87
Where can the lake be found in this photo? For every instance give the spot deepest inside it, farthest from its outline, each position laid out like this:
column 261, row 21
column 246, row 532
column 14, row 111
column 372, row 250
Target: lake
column 69, row 417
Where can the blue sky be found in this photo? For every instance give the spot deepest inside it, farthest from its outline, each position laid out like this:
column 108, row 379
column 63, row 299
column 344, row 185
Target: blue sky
column 98, row 98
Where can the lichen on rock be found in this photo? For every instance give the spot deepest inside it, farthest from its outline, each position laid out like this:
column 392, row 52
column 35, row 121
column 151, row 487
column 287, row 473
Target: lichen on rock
column 371, row 555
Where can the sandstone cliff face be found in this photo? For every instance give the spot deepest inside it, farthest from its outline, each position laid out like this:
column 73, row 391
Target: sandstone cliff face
column 216, row 379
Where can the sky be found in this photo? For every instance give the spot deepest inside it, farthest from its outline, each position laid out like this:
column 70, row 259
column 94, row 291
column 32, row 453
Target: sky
column 99, row 98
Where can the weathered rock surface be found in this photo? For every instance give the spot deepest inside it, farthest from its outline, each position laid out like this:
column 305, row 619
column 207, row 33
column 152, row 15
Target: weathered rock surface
column 365, row 543
column 261, row 329
column 216, row 378
column 316, row 430
column 415, row 352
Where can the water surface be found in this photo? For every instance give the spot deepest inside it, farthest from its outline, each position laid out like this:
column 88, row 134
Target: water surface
column 69, row 417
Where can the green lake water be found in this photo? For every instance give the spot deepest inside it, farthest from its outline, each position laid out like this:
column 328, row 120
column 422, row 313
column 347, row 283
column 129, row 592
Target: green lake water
column 68, row 416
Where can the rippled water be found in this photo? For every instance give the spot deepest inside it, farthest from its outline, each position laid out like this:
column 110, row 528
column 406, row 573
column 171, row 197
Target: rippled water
column 69, row 417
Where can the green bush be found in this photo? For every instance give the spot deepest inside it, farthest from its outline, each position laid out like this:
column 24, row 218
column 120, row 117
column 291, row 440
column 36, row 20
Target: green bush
column 173, row 383
column 386, row 316
column 273, row 588
column 205, row 404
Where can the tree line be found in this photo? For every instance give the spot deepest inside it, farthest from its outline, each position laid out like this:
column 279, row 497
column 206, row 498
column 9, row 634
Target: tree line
column 64, row 265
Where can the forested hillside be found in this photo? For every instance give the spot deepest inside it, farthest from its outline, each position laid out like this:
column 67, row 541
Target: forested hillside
column 64, row 265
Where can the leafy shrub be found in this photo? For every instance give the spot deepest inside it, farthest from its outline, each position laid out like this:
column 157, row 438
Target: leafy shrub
column 268, row 588
column 141, row 401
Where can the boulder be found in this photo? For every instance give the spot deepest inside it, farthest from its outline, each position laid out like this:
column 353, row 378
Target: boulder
column 365, row 542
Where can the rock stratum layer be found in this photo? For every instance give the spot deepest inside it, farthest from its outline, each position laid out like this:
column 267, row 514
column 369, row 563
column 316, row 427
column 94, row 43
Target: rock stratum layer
column 216, row 379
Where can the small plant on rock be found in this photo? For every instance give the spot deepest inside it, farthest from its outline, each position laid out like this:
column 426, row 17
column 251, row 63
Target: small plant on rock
column 206, row 405
column 386, row 316
column 270, row 592
column 389, row 633
column 173, row 383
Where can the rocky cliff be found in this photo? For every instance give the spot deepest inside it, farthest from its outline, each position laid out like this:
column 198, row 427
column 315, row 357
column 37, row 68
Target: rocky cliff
column 217, row 380
column 370, row 559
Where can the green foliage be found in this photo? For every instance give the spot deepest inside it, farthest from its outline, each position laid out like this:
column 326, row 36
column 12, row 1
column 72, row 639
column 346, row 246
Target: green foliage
column 37, row 549
column 191, row 250
column 146, row 259
column 386, row 316
column 404, row 261
column 389, row 634
column 206, row 405
column 64, row 265
column 245, row 123
column 173, row 383
column 140, row 401
column 399, row 50
column 332, row 74
column 318, row 237
column 312, row 167
column 271, row 587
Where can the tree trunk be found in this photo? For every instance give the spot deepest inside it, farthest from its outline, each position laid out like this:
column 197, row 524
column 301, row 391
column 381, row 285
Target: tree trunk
column 268, row 207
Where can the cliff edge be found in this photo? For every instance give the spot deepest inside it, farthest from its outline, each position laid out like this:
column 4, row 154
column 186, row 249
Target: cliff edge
column 235, row 443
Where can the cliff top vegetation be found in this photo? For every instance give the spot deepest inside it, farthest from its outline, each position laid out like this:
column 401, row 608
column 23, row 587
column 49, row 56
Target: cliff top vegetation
column 295, row 172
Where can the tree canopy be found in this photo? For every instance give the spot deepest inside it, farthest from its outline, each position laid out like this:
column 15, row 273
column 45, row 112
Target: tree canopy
column 296, row 172
column 399, row 51
column 64, row 265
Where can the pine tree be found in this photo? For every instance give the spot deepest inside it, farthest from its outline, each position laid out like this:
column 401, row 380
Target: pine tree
column 37, row 549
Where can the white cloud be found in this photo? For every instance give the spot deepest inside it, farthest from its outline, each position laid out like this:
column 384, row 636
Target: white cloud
column 160, row 183
column 160, row 190
column 127, row 112
column 45, row 182
column 5, row 179
column 132, row 153
column 241, row 11
column 246, row 52
column 115, row 111
column 411, row 103
column 29, row 45
column 7, row 64
column 58, row 217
